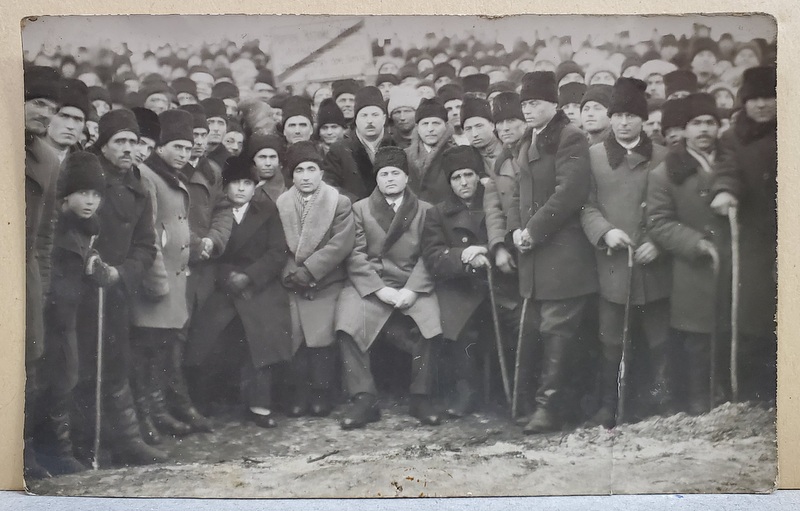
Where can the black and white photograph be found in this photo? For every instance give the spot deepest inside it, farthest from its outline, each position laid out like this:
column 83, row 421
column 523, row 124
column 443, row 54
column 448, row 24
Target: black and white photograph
column 400, row 256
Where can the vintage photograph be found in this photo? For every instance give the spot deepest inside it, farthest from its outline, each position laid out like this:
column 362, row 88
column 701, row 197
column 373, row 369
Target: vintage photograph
column 400, row 256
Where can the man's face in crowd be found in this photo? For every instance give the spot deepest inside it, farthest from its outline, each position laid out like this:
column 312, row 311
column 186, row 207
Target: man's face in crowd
column 464, row 183
column 231, row 107
column 510, row 130
column 626, row 126
column 38, row 113
column 391, row 181
column 403, row 119
column 347, row 103
column 264, row 91
column 131, row 86
column 573, row 111
column 204, row 82
column 669, row 52
column 240, row 192
column 119, row 150
column 594, row 117
column 370, row 121
column 144, row 148
column 66, row 126
column 653, row 123
column 176, row 153
column 233, row 142
column 385, row 88
column 200, row 142
column 746, row 58
column 537, row 112
column 297, row 129
column 655, row 86
column 761, row 109
column 184, row 98
column 603, row 77
column 723, row 98
column 431, row 130
column 158, row 103
column 83, row 203
column 673, row 137
column 453, row 108
column 101, row 107
column 441, row 81
column 704, row 62
column 217, row 127
column 267, row 163
column 92, row 130
column 277, row 115
column 479, row 132
column 331, row 133
column 307, row 177
column 701, row 133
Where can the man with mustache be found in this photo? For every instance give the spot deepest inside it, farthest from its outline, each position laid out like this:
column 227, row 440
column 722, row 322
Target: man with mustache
column 67, row 124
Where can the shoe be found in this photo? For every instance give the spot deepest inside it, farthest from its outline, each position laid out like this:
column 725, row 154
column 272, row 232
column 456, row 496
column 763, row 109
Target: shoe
column 192, row 416
column 162, row 419
column 422, row 408
column 262, row 421
column 464, row 402
column 298, row 403
column 605, row 417
column 363, row 411
column 136, row 452
column 543, row 421
column 320, row 405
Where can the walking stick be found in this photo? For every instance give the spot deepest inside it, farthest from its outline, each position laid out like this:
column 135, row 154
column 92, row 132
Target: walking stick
column 501, row 356
column 515, row 396
column 715, row 265
column 622, row 376
column 734, row 224
column 98, row 398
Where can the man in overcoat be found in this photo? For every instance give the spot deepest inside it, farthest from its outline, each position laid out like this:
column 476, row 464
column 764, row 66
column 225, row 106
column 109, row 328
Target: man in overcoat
column 747, row 178
column 267, row 153
column 614, row 219
column 432, row 138
column 389, row 297
column 556, row 262
column 320, row 233
column 681, row 221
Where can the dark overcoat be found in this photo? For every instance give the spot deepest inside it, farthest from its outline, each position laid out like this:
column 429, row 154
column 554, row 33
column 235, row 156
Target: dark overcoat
column 257, row 248
column 348, row 167
column 553, row 186
column 617, row 201
column 748, row 168
column 425, row 175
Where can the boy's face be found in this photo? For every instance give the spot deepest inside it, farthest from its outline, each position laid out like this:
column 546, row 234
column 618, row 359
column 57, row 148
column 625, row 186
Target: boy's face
column 83, row 203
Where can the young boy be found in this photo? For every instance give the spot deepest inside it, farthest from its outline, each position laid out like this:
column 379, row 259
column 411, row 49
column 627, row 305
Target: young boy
column 76, row 270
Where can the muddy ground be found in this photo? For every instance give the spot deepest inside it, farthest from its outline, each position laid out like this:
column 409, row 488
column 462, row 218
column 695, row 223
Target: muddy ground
column 731, row 449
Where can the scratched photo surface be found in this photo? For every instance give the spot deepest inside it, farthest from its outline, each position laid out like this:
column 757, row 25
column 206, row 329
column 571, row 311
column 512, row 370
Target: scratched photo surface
column 399, row 256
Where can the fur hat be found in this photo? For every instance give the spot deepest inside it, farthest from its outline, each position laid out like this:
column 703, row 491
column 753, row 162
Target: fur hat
column 680, row 80
column 507, row 105
column 475, row 107
column 99, row 94
column 236, row 168
column 504, row 86
column 225, row 90
column 114, row 122
column 184, row 84
column 431, row 108
column 479, row 82
column 214, row 107
column 674, row 114
column 628, row 97
column 149, row 127
column 155, row 87
column 346, row 86
column 278, row 100
column 758, row 82
column 386, row 77
column 701, row 103
column 300, row 152
column 402, row 96
column 82, row 171
column 391, row 156
column 450, row 92
column 175, row 125
column 567, row 67
column 539, row 85
column 444, row 70
column 369, row 96
column 265, row 76
column 297, row 105
column 75, row 93
column 703, row 44
column 261, row 141
column 461, row 157
column 41, row 82
column 330, row 113
column 599, row 93
column 198, row 116
column 571, row 93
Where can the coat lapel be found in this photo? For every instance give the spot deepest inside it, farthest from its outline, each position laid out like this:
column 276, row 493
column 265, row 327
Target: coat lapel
column 380, row 210
column 304, row 239
column 402, row 220
column 255, row 216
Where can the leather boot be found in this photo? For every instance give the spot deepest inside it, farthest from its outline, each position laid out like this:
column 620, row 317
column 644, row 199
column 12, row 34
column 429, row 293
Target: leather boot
column 361, row 412
column 662, row 393
column 699, row 374
column 606, row 416
column 59, row 457
column 178, row 400
column 163, row 420
column 554, row 363
column 140, row 376
column 121, row 431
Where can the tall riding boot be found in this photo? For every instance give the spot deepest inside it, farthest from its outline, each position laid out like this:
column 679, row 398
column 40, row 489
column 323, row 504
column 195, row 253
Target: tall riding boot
column 140, row 378
column 663, row 386
column 121, row 431
column 159, row 367
column 178, row 400
column 59, row 457
column 606, row 416
column 551, row 383
column 699, row 374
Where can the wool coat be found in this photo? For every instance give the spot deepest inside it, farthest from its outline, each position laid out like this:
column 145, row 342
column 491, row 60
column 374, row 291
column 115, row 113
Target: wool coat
column 553, row 186
column 166, row 308
column 41, row 169
column 387, row 253
column 679, row 215
column 425, row 175
column 748, row 168
column 617, row 201
column 450, row 227
column 499, row 183
column 348, row 166
column 257, row 248
column 320, row 241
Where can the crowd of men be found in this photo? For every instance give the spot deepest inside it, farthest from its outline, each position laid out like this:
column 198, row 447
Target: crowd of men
column 224, row 229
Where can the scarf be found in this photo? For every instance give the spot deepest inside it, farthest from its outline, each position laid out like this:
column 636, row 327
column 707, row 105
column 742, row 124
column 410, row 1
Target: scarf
column 305, row 222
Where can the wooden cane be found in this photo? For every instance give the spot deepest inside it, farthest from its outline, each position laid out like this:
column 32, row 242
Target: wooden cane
column 734, row 225
column 715, row 265
column 622, row 375
column 98, row 397
column 515, row 396
column 501, row 356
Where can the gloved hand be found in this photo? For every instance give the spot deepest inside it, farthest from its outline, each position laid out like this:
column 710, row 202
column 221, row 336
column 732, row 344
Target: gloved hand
column 100, row 273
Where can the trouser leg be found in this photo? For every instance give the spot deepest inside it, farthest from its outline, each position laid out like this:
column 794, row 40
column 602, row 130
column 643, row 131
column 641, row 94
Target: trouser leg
column 357, row 373
column 696, row 349
column 655, row 324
